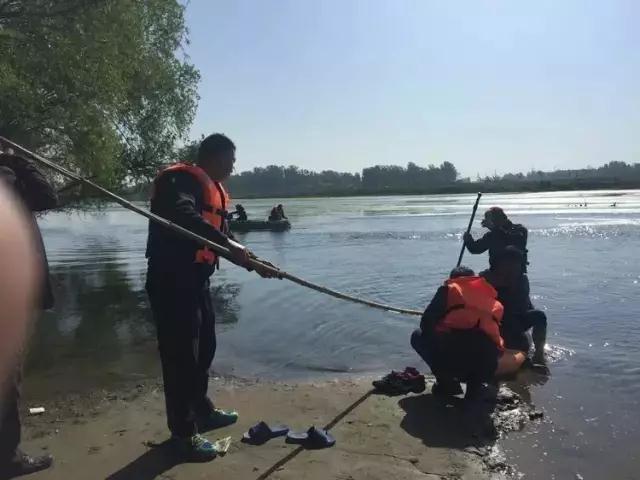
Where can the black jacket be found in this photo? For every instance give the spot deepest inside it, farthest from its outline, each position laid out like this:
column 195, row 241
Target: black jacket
column 435, row 311
column 178, row 197
column 514, row 298
column 497, row 240
column 38, row 195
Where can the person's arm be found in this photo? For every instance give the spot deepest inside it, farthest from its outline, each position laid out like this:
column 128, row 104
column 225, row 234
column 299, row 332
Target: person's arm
column 34, row 188
column 435, row 311
column 478, row 246
column 181, row 191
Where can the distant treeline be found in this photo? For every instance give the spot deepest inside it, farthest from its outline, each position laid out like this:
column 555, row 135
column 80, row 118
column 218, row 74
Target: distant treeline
column 413, row 179
column 279, row 181
column 287, row 181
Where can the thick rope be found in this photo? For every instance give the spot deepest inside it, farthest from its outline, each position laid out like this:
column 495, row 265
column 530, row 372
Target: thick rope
column 223, row 251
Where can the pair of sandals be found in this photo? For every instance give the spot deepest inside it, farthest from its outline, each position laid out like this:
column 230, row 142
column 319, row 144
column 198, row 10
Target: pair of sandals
column 314, row 438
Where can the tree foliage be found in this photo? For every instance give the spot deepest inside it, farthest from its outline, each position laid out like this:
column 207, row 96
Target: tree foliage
column 102, row 86
column 412, row 178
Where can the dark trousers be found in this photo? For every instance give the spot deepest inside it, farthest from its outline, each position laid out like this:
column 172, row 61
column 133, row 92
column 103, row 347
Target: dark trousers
column 464, row 355
column 185, row 322
column 10, row 417
column 514, row 328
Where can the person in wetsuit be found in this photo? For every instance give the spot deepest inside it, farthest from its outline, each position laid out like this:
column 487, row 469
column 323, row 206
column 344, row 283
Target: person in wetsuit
column 508, row 277
column 502, row 232
column 37, row 194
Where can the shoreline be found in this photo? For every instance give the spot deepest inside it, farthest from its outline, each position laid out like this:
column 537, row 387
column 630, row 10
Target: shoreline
column 118, row 435
column 467, row 189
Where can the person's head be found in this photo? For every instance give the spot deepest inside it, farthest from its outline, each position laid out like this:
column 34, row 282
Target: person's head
column 280, row 207
column 508, row 265
column 239, row 207
column 461, row 272
column 495, row 218
column 216, row 156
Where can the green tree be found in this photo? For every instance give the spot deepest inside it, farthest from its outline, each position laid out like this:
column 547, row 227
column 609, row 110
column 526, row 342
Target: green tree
column 102, row 86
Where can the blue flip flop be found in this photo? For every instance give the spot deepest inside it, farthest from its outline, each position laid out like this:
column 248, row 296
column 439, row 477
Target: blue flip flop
column 261, row 433
column 312, row 438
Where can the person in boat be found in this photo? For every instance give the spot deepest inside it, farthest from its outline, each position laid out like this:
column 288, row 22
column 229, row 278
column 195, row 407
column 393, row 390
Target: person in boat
column 240, row 212
column 512, row 284
column 275, row 215
column 280, row 209
column 502, row 232
column 179, row 269
column 459, row 335
column 37, row 194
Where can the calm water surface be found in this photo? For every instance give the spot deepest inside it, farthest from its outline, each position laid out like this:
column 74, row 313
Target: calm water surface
column 584, row 272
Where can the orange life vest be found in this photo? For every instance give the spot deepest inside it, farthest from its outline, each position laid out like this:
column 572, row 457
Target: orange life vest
column 215, row 201
column 472, row 303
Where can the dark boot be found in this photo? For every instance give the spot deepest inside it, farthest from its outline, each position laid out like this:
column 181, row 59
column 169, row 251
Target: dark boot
column 539, row 336
column 474, row 391
column 446, row 387
column 23, row 464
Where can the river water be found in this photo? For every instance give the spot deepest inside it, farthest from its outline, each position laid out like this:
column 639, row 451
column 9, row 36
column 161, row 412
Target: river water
column 584, row 272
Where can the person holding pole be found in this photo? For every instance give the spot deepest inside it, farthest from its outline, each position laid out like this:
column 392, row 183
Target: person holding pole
column 193, row 197
column 502, row 233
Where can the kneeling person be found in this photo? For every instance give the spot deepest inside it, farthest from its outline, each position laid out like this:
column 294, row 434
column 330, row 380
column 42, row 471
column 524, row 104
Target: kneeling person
column 512, row 284
column 459, row 336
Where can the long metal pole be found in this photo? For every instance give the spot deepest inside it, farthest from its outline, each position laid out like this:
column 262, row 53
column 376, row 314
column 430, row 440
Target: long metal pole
column 473, row 216
column 223, row 251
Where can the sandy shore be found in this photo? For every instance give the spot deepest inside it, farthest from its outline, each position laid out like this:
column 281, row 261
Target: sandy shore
column 116, row 436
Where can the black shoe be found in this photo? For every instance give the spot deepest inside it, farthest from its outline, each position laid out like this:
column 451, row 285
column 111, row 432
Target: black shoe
column 449, row 388
column 400, row 383
column 23, row 464
column 474, row 391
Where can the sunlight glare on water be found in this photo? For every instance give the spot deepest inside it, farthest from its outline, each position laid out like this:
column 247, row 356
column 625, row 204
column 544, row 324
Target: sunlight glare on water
column 584, row 273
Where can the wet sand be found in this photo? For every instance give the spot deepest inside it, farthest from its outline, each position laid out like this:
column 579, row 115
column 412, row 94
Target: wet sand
column 120, row 436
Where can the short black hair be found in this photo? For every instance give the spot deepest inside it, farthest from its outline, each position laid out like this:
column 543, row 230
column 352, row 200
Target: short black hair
column 214, row 145
column 461, row 272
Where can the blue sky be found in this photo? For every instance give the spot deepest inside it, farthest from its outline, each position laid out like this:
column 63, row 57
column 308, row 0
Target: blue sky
column 491, row 86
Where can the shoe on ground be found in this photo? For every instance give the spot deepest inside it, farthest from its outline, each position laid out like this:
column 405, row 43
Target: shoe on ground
column 414, row 380
column 400, row 383
column 23, row 464
column 446, row 388
column 217, row 419
column 195, row 448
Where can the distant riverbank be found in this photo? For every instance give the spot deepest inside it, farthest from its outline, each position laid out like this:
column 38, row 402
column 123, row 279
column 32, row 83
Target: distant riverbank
column 142, row 192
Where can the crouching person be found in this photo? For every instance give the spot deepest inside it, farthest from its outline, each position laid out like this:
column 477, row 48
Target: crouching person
column 459, row 335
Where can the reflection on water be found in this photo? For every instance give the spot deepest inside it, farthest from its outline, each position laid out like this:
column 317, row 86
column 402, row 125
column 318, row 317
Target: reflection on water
column 101, row 331
column 396, row 250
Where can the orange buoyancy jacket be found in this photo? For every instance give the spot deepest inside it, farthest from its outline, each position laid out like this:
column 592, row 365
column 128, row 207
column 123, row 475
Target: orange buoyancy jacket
column 472, row 303
column 214, row 205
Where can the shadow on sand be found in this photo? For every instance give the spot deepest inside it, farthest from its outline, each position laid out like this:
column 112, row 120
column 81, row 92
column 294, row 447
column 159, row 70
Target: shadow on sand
column 151, row 465
column 455, row 423
column 450, row 422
